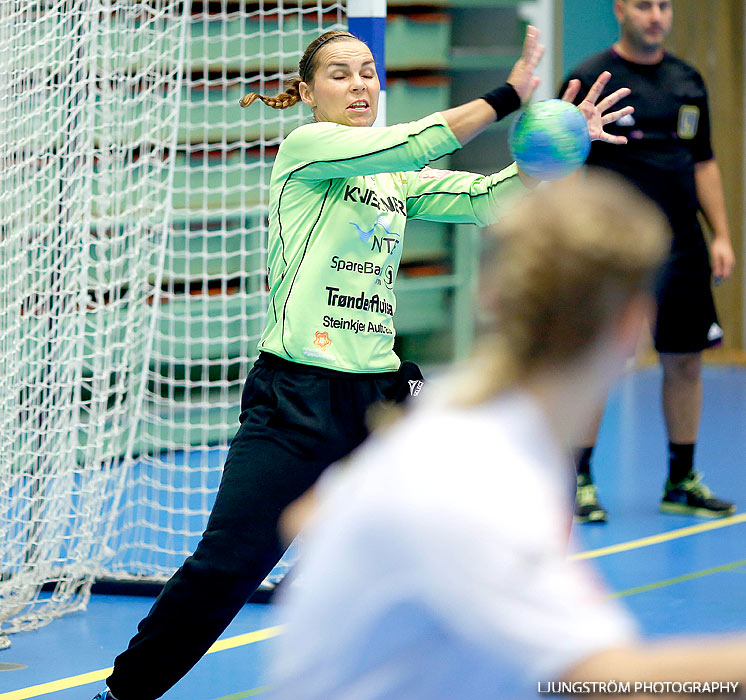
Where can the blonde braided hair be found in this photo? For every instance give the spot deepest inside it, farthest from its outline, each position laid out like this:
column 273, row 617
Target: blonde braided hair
column 284, row 100
column 306, row 70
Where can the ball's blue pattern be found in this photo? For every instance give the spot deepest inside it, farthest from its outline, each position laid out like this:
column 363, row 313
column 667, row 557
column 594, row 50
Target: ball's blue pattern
column 550, row 140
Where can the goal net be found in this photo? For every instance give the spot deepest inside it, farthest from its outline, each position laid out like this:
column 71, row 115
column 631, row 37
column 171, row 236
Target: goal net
column 133, row 199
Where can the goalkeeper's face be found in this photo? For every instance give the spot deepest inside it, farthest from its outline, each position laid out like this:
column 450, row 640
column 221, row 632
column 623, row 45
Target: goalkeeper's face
column 344, row 88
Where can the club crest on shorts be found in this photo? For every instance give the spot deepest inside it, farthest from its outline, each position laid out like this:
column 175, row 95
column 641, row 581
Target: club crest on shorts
column 688, row 121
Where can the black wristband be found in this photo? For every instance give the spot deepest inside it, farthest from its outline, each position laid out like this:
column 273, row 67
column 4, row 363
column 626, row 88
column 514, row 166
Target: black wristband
column 503, row 100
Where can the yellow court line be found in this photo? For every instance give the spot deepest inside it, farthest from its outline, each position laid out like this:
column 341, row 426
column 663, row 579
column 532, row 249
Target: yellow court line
column 100, row 675
column 657, row 539
column 53, row 686
column 241, row 640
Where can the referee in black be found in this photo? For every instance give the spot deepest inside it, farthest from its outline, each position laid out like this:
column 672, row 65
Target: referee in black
column 669, row 157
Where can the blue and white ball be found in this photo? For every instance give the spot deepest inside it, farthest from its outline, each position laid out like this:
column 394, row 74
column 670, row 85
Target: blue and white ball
column 550, row 139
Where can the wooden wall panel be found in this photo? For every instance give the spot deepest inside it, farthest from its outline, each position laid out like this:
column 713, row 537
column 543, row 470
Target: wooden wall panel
column 710, row 35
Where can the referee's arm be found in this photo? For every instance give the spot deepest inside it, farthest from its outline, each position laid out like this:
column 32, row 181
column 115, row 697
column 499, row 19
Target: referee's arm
column 712, row 201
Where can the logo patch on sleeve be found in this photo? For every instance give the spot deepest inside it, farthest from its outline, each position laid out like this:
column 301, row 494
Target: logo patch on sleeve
column 688, row 121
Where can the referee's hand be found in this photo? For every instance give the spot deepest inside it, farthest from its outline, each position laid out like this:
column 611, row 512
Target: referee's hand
column 722, row 259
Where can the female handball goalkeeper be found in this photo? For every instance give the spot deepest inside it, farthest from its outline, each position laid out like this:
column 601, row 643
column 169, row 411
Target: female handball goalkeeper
column 340, row 196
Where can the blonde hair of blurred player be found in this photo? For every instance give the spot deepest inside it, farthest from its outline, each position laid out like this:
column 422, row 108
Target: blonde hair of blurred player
column 566, row 287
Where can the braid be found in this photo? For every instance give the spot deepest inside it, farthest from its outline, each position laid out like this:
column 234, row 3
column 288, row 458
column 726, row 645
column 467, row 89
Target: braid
column 285, row 99
column 306, row 69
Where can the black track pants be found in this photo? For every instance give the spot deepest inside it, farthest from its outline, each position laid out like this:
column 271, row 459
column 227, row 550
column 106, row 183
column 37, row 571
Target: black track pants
column 295, row 421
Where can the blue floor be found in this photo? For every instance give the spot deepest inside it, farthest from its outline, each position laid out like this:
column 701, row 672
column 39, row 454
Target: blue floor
column 630, row 469
column 690, row 583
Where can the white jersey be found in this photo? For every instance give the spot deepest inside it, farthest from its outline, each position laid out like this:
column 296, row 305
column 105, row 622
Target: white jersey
column 438, row 567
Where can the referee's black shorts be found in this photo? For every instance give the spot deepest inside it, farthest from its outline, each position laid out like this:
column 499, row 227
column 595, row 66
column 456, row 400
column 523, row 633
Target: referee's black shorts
column 686, row 319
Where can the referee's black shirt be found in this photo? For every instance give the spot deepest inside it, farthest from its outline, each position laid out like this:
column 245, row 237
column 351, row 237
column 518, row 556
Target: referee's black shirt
column 668, row 133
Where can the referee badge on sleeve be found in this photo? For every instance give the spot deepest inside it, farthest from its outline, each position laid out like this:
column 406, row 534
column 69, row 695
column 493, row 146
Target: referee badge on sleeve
column 688, row 121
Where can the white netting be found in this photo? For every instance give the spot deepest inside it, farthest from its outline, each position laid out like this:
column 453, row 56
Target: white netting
column 132, row 291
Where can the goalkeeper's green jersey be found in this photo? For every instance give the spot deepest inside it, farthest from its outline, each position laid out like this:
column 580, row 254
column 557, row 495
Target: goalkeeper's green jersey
column 340, row 198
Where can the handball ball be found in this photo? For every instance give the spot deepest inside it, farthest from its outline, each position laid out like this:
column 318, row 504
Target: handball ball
column 550, row 139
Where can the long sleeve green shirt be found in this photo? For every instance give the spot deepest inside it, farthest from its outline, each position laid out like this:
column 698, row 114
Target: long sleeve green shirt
column 340, row 198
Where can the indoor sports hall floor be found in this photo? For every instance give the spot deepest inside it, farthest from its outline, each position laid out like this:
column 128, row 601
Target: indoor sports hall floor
column 677, row 574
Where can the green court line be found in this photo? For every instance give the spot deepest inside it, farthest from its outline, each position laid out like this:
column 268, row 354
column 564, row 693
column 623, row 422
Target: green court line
column 678, row 579
column 663, row 537
column 246, row 694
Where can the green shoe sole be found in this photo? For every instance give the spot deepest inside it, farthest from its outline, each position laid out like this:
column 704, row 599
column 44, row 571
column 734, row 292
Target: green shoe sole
column 681, row 509
column 596, row 517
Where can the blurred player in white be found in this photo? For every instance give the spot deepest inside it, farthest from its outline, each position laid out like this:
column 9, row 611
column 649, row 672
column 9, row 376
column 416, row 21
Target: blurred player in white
column 418, row 580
